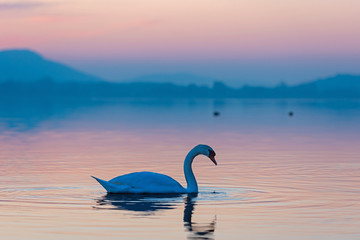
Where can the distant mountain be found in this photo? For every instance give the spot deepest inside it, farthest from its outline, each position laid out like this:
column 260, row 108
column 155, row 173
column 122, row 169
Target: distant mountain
column 24, row 73
column 26, row 66
column 341, row 85
column 182, row 79
column 340, row 81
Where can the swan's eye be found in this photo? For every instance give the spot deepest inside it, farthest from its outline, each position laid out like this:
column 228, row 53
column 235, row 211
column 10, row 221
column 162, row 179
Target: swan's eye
column 211, row 153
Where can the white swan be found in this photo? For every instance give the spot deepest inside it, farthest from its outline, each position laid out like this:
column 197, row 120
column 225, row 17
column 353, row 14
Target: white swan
column 150, row 182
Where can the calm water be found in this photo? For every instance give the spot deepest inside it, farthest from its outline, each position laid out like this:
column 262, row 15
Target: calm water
column 278, row 177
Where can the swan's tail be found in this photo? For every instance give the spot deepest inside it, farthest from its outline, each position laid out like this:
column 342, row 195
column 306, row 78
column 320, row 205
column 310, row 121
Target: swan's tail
column 111, row 187
column 104, row 183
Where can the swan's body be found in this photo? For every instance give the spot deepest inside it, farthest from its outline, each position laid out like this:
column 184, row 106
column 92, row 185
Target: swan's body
column 150, row 182
column 142, row 182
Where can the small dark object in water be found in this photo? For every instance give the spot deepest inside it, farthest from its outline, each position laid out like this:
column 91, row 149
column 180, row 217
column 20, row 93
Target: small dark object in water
column 216, row 113
column 291, row 114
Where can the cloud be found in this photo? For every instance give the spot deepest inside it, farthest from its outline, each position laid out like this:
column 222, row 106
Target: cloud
column 20, row 5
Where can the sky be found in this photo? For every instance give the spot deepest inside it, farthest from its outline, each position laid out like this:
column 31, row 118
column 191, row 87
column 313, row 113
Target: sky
column 258, row 42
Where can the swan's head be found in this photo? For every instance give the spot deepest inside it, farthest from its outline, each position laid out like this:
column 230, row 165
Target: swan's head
column 207, row 151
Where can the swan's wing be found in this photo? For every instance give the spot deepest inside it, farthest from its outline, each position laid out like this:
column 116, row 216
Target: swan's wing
column 148, row 182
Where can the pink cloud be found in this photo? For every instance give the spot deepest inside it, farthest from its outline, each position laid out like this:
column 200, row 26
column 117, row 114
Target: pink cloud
column 20, row 5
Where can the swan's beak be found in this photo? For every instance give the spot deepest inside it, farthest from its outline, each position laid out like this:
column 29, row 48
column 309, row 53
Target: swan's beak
column 212, row 158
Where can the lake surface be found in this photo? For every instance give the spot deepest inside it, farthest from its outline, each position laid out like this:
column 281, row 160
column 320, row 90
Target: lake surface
column 278, row 176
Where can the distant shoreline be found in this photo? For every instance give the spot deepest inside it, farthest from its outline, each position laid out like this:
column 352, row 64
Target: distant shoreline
column 340, row 86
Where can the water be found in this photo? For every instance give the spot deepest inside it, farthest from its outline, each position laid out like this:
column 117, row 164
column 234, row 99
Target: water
column 278, row 176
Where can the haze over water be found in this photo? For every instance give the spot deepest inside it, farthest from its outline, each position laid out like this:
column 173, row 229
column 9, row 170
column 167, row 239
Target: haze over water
column 278, row 177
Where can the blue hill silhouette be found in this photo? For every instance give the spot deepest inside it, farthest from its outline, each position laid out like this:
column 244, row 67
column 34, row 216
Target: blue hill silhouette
column 337, row 83
column 26, row 66
column 24, row 73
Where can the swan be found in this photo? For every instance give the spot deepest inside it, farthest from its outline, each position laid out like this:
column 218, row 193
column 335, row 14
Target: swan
column 155, row 183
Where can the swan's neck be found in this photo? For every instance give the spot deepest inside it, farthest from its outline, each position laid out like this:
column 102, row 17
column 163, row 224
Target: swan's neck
column 192, row 186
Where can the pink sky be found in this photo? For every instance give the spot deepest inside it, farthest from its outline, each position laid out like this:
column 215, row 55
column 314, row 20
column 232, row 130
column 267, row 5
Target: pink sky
column 169, row 30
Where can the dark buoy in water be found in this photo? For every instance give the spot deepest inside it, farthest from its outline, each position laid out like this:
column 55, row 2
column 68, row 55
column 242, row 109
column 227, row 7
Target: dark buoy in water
column 216, row 114
column 291, row 113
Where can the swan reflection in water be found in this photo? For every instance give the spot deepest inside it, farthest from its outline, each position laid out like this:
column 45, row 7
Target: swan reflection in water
column 196, row 230
column 140, row 203
column 147, row 204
